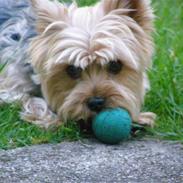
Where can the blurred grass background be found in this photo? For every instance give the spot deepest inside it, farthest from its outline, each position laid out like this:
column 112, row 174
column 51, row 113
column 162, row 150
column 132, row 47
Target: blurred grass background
column 165, row 97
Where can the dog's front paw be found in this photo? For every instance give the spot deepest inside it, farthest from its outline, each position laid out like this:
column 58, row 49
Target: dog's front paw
column 147, row 118
column 36, row 111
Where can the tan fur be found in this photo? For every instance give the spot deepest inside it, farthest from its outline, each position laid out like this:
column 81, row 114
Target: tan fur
column 90, row 38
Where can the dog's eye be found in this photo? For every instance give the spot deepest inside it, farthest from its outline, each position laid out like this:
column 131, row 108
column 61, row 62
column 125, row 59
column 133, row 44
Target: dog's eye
column 16, row 37
column 74, row 72
column 115, row 67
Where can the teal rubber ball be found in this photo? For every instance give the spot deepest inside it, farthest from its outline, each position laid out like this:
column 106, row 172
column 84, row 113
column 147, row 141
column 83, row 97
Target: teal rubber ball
column 112, row 126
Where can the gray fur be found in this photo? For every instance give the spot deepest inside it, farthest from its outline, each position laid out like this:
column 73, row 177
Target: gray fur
column 16, row 30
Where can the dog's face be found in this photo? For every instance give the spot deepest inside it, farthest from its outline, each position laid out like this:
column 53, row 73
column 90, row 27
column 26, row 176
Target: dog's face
column 93, row 58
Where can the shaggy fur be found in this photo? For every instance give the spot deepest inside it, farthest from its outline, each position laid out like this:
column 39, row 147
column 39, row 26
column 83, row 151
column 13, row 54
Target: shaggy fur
column 16, row 29
column 90, row 39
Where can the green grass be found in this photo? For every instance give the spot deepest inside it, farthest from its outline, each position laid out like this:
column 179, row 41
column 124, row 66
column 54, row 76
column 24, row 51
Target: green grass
column 82, row 2
column 165, row 97
column 16, row 133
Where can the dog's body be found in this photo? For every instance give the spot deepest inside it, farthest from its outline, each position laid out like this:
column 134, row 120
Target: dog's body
column 85, row 59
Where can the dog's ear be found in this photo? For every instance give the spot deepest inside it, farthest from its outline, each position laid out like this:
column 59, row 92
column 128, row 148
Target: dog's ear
column 139, row 10
column 48, row 12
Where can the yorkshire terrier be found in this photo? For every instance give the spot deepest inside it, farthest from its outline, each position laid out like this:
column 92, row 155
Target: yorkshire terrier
column 68, row 62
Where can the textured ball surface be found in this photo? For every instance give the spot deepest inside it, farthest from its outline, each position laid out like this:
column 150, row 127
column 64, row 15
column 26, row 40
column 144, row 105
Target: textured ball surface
column 112, row 125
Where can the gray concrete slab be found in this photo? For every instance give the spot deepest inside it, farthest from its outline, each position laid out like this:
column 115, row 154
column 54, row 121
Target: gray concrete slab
column 144, row 161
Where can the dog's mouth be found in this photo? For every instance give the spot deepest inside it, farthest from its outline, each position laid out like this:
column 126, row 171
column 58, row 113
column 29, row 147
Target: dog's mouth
column 85, row 125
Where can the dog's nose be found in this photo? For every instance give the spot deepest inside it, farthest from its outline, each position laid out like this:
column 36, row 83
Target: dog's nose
column 96, row 103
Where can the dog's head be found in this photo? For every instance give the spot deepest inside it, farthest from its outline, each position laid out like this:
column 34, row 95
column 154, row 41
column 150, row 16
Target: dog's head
column 93, row 58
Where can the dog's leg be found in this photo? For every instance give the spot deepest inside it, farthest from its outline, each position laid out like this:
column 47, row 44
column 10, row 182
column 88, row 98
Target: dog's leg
column 36, row 111
column 147, row 118
column 8, row 90
column 15, row 87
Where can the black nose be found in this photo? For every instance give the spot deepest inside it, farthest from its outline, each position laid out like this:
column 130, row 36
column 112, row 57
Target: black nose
column 96, row 103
